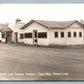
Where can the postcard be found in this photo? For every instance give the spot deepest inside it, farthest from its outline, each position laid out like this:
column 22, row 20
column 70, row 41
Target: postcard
column 41, row 42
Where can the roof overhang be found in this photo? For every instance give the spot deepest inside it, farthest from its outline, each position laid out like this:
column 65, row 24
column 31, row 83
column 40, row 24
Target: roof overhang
column 30, row 22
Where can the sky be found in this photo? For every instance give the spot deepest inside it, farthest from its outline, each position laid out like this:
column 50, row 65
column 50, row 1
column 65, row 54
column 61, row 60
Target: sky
column 52, row 12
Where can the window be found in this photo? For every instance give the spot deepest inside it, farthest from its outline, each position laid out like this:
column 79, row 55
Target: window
column 28, row 35
column 21, row 36
column 69, row 34
column 35, row 34
column 56, row 34
column 42, row 35
column 8, row 35
column 74, row 34
column 35, row 40
column 3, row 35
column 62, row 34
column 80, row 34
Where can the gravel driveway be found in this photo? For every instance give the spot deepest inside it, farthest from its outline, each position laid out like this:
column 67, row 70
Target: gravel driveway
column 19, row 62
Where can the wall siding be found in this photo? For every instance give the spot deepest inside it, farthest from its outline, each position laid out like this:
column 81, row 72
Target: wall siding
column 58, row 40
column 78, row 40
column 39, row 28
column 67, row 41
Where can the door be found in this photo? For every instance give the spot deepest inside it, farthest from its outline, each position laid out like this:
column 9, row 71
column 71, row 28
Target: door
column 16, row 37
column 35, row 37
column 8, row 37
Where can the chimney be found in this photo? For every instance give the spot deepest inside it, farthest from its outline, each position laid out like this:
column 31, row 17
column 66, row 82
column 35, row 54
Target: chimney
column 17, row 20
column 81, row 21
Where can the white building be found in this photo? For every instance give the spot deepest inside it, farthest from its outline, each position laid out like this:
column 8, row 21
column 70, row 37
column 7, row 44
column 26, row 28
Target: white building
column 15, row 28
column 9, row 32
column 45, row 33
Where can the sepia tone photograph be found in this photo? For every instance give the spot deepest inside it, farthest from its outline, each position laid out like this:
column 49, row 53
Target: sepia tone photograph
column 41, row 42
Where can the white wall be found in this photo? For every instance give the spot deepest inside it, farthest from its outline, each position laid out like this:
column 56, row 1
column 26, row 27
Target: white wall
column 3, row 40
column 75, row 40
column 15, row 28
column 59, row 40
column 39, row 28
column 67, row 41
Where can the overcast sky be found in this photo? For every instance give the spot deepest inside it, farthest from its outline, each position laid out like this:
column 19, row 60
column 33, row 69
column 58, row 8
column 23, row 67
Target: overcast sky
column 56, row 12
